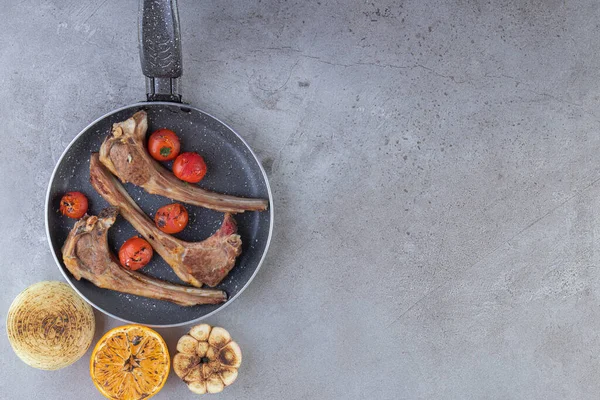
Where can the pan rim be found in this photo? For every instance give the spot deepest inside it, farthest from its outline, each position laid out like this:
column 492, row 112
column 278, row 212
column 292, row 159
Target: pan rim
column 141, row 104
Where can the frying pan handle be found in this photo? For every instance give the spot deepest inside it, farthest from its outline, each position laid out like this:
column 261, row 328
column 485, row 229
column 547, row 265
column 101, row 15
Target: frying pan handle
column 160, row 49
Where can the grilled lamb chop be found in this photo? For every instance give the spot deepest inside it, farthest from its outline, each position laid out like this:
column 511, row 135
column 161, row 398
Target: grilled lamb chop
column 124, row 154
column 86, row 255
column 208, row 261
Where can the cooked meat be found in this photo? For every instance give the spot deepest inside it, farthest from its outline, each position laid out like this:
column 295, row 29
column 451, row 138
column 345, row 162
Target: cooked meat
column 86, row 255
column 208, row 261
column 124, row 154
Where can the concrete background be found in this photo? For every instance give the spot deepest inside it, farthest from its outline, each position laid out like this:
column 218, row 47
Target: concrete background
column 435, row 172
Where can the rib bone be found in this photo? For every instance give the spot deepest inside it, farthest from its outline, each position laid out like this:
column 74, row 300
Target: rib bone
column 124, row 154
column 86, row 255
column 208, row 261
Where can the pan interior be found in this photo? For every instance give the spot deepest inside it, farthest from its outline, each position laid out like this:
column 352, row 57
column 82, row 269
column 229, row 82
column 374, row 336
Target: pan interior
column 232, row 169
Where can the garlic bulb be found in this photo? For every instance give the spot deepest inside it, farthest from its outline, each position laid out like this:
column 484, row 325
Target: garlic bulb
column 208, row 360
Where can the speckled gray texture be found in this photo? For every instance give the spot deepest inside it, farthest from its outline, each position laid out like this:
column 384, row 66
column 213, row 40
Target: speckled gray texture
column 435, row 173
column 234, row 170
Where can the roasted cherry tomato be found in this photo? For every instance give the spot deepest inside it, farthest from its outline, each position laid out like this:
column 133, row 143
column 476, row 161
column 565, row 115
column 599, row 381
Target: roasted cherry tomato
column 164, row 145
column 74, row 205
column 189, row 167
column 135, row 253
column 171, row 218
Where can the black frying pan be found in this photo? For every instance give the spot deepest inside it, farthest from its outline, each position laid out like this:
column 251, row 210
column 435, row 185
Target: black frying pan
column 232, row 169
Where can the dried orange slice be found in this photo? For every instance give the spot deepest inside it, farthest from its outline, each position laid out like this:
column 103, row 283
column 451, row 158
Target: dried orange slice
column 130, row 362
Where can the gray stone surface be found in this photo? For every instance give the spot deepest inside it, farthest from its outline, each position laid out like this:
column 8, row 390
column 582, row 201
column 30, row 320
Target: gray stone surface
column 435, row 172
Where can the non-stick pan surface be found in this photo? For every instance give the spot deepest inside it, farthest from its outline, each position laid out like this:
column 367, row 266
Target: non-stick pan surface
column 232, row 169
